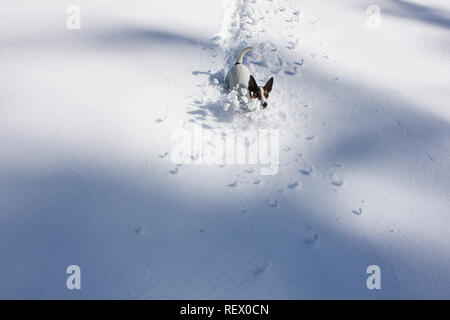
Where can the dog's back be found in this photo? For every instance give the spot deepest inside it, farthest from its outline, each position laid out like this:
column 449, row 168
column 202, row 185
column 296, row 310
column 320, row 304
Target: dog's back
column 239, row 75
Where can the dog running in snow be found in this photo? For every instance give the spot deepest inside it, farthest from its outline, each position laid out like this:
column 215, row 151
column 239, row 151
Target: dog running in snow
column 239, row 77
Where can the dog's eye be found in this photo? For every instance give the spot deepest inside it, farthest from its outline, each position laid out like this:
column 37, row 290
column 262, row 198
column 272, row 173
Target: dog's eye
column 254, row 96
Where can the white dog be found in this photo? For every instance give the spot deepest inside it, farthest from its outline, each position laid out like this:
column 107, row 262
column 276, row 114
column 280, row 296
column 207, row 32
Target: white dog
column 239, row 77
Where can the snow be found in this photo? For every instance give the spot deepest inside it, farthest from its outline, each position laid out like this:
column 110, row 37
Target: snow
column 86, row 170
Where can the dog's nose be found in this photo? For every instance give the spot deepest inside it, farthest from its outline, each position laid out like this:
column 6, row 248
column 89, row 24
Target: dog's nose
column 264, row 105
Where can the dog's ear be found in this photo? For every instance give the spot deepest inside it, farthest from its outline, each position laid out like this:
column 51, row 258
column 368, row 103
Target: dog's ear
column 268, row 86
column 252, row 85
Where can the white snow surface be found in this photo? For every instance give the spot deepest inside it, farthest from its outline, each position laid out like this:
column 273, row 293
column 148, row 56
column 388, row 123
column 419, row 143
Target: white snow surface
column 86, row 176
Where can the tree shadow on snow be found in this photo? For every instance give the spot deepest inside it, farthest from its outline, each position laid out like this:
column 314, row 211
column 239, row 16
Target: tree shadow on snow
column 419, row 12
column 132, row 240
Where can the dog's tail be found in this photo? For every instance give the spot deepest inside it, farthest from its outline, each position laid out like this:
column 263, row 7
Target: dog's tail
column 242, row 54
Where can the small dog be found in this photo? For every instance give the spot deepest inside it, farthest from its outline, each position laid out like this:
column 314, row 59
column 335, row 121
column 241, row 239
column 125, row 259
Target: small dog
column 239, row 77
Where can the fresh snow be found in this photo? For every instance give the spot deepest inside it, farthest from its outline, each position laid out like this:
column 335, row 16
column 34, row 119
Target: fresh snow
column 86, row 173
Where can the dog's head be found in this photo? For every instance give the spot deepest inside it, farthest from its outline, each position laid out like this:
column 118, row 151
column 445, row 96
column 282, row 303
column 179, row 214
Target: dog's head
column 260, row 93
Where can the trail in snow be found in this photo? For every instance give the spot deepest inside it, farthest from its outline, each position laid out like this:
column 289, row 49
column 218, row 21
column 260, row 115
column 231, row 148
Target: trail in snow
column 268, row 27
column 244, row 24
